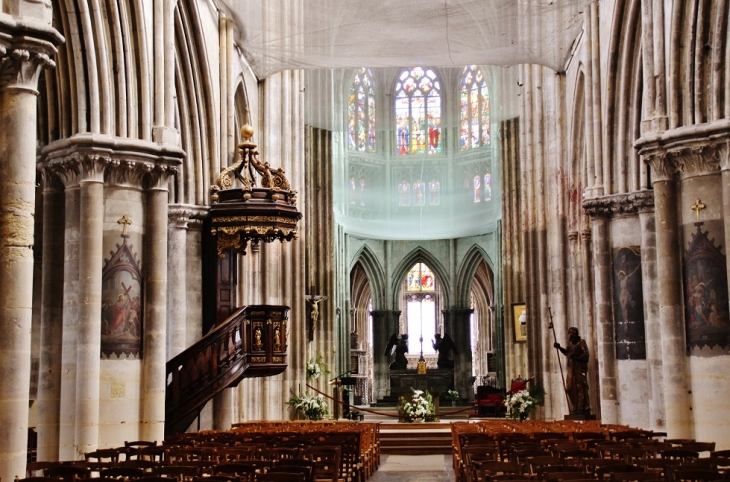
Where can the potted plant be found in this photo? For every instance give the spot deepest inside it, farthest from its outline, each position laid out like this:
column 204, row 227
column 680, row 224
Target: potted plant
column 309, row 407
column 453, row 396
column 419, row 409
column 315, row 368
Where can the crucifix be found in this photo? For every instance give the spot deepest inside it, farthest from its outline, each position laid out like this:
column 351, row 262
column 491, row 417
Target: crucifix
column 313, row 300
column 124, row 221
column 697, row 207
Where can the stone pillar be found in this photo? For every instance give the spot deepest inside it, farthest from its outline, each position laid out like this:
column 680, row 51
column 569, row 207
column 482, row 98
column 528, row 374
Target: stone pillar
column 88, row 339
column 457, row 326
column 669, row 289
column 385, row 323
column 652, row 324
column 18, row 100
column 155, row 316
column 49, row 385
column 606, row 355
column 177, row 279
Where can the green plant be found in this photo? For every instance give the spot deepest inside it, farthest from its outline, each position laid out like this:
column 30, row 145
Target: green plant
column 311, row 407
column 453, row 395
column 520, row 404
column 419, row 409
column 315, row 368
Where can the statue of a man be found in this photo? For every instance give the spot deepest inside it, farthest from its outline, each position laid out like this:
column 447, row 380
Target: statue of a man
column 577, row 378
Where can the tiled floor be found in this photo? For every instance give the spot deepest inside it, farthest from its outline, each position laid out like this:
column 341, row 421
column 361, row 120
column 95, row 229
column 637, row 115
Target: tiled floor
column 414, row 468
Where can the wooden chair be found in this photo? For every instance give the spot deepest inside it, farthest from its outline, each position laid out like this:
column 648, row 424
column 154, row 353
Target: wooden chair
column 32, row 469
column 181, row 473
column 146, row 465
column 108, row 456
column 606, row 471
column 282, row 477
column 243, row 472
column 690, row 474
column 572, row 476
column 635, row 477
column 39, row 479
column 326, row 462
column 296, row 465
column 68, row 473
column 123, row 473
column 542, row 472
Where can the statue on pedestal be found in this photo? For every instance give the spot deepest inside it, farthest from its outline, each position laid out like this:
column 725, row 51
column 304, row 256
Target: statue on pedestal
column 398, row 346
column 577, row 378
column 444, row 345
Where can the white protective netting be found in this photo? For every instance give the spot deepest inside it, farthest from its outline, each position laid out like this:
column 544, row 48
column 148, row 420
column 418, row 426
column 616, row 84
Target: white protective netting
column 333, row 39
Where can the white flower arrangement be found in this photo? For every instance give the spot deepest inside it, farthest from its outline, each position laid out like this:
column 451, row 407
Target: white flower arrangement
column 315, row 368
column 520, row 405
column 419, row 409
column 453, row 395
column 311, row 407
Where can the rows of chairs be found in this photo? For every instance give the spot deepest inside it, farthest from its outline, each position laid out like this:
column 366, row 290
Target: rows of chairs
column 496, row 451
column 251, row 452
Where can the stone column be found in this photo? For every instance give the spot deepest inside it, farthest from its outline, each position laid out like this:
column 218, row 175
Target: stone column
column 49, row 385
column 18, row 100
column 88, row 339
column 155, row 316
column 457, row 325
column 606, row 355
column 669, row 289
column 652, row 324
column 385, row 323
column 177, row 278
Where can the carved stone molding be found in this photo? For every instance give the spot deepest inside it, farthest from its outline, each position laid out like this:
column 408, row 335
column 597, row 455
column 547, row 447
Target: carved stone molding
column 573, row 236
column 585, row 235
column 687, row 151
column 184, row 215
column 619, row 204
column 130, row 163
column 20, row 68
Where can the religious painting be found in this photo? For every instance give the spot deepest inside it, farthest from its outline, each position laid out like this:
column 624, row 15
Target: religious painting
column 122, row 307
column 519, row 317
column 628, row 304
column 706, row 301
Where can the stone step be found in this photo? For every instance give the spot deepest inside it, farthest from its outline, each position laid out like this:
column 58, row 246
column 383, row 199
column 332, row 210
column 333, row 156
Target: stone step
column 415, row 439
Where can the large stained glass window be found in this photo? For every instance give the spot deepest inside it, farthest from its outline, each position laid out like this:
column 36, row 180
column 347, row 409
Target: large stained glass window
column 474, row 105
column 361, row 113
column 418, row 112
column 420, row 308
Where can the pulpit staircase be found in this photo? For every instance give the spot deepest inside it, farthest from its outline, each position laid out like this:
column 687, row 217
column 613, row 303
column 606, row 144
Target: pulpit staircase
column 250, row 343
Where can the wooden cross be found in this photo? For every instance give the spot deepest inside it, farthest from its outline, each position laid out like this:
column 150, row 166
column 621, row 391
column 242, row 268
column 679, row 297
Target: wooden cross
column 697, row 207
column 124, row 221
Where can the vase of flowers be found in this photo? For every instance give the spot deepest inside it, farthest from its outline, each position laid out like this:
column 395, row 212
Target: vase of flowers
column 309, row 407
column 520, row 404
column 453, row 396
column 315, row 368
column 419, row 409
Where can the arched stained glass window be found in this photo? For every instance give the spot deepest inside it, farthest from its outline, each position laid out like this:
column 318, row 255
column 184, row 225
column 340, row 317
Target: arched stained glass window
column 418, row 112
column 434, row 193
column 474, row 105
column 487, row 187
column 361, row 113
column 477, row 188
column 420, row 308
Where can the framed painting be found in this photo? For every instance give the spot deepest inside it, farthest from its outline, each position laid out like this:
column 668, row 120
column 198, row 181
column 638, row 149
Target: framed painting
column 519, row 318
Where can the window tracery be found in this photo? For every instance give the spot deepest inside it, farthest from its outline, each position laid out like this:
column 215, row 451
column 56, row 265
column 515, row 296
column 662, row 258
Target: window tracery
column 418, row 112
column 474, row 107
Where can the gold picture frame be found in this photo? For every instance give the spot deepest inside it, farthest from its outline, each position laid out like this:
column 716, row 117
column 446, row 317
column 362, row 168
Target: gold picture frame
column 520, row 328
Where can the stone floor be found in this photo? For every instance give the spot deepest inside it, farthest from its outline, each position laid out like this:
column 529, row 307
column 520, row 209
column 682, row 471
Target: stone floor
column 414, row 468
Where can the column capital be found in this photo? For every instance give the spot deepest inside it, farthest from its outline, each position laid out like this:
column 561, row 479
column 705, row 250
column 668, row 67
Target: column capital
column 127, row 162
column 689, row 150
column 26, row 46
column 619, row 204
column 181, row 216
column 573, row 236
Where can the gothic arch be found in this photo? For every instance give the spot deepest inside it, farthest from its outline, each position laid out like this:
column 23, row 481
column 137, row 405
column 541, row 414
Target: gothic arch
column 465, row 276
column 374, row 271
column 360, row 295
column 624, row 101
column 420, row 255
column 698, row 53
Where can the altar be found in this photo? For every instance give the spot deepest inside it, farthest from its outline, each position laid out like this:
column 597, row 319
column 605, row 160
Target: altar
column 435, row 381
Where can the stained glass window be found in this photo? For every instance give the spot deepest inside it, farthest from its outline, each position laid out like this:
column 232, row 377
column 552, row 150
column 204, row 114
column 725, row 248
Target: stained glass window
column 421, row 315
column 419, row 193
column 353, row 190
column 404, row 194
column 420, row 278
column 361, row 113
column 362, row 191
column 434, row 193
column 418, row 112
column 487, row 187
column 474, row 106
column 477, row 188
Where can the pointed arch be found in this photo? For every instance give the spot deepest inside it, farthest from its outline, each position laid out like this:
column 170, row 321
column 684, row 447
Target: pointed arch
column 420, row 255
column 375, row 273
column 465, row 274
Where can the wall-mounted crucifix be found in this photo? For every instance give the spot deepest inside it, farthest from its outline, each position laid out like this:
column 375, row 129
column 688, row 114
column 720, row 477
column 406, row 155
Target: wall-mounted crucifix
column 313, row 301
column 697, row 207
